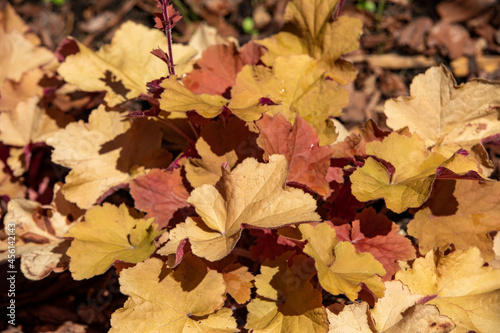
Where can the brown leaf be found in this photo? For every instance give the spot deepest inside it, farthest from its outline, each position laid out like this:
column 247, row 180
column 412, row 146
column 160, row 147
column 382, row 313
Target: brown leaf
column 462, row 10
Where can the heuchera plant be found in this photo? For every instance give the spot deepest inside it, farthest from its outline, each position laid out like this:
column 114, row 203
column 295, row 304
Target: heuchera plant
column 250, row 211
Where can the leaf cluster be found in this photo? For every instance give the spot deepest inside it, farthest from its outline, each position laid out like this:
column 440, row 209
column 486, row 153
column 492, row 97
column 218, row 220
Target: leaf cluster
column 247, row 208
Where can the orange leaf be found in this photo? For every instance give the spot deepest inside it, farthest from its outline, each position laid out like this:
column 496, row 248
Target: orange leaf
column 218, row 67
column 160, row 193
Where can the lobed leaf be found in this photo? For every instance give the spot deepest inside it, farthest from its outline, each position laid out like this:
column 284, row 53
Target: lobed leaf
column 459, row 286
column 172, row 302
column 109, row 234
column 298, row 87
column 39, row 241
column 105, row 152
column 446, row 116
column 414, row 171
column 462, row 213
column 308, row 162
column 160, row 194
column 207, row 170
column 252, row 194
column 341, row 269
column 290, row 303
column 124, row 67
column 319, row 38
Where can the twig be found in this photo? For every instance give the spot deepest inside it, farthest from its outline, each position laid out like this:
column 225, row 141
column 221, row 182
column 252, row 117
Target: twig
column 177, row 130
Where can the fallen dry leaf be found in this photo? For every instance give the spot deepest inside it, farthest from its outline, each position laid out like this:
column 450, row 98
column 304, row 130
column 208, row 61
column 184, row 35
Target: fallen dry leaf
column 39, row 232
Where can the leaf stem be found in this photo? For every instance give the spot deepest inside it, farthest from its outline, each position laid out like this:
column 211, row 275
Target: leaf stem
column 168, row 33
column 176, row 129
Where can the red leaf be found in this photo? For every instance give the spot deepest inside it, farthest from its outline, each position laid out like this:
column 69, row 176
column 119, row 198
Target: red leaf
column 161, row 54
column 270, row 245
column 160, row 194
column 387, row 247
column 173, row 16
column 354, row 144
column 308, row 162
column 219, row 66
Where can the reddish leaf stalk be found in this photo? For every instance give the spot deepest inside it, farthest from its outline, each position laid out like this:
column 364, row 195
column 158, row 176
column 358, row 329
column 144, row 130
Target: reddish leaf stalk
column 177, row 130
column 337, row 11
column 168, row 33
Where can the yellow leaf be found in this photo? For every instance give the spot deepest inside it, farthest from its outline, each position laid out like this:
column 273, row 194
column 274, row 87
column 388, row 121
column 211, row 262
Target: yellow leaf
column 109, row 234
column 27, row 123
column 396, row 312
column 318, row 37
column 290, row 303
column 253, row 194
column 105, row 152
column 388, row 310
column 298, row 86
column 207, row 170
column 414, row 171
column 164, row 301
column 464, row 290
column 123, row 67
column 422, row 318
column 177, row 98
column 38, row 231
column 496, row 248
column 22, row 118
column 341, row 269
column 352, row 319
column 10, row 186
column 475, row 216
column 19, row 48
column 446, row 116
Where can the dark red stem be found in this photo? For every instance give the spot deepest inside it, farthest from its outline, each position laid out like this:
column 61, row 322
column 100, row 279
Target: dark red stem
column 177, row 130
column 168, row 33
column 338, row 9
